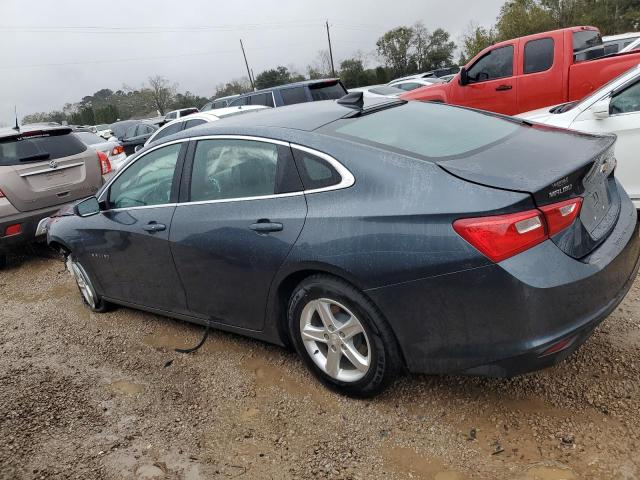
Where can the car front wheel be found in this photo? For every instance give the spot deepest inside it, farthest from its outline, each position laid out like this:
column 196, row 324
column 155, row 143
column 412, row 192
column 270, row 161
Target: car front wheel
column 342, row 337
column 86, row 287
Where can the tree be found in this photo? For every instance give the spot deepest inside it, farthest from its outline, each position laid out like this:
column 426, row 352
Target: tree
column 431, row 51
column 321, row 67
column 276, row 76
column 474, row 41
column 187, row 100
column 352, row 73
column 394, row 47
column 234, row 87
column 161, row 93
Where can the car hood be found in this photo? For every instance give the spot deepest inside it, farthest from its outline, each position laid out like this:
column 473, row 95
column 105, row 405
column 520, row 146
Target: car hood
column 541, row 115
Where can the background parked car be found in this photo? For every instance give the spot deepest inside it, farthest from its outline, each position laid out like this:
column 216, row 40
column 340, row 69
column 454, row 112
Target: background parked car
column 292, row 93
column 111, row 148
column 617, row 43
column 635, row 45
column 196, row 119
column 132, row 133
column 175, row 114
column 103, row 130
column 378, row 91
column 216, row 103
column 409, row 84
column 41, row 168
column 615, row 108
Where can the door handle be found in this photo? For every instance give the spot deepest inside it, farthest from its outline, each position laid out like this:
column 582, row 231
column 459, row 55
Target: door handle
column 154, row 227
column 504, row 88
column 265, row 226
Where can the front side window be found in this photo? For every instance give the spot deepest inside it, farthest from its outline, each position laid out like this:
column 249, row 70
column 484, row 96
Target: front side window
column 627, row 101
column 538, row 55
column 171, row 115
column 148, row 181
column 227, row 169
column 496, row 64
column 169, row 130
column 239, row 102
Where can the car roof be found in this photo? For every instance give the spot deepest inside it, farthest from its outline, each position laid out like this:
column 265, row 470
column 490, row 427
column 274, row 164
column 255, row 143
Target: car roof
column 303, row 83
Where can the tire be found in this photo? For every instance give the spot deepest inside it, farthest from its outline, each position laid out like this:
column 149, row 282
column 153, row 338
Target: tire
column 368, row 357
column 88, row 293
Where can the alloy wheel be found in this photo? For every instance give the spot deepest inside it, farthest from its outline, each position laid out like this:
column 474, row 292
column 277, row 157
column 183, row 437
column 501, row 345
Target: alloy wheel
column 84, row 284
column 335, row 340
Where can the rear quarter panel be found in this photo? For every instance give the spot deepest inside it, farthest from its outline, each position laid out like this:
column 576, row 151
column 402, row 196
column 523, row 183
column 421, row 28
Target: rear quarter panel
column 585, row 77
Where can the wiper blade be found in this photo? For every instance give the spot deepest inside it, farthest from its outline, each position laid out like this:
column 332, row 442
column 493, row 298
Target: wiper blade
column 36, row 156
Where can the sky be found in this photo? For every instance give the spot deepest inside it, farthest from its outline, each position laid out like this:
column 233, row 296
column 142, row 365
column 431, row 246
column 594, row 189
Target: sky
column 54, row 52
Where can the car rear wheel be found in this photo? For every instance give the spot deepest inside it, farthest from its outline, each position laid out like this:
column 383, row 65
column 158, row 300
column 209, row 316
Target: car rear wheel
column 87, row 290
column 342, row 337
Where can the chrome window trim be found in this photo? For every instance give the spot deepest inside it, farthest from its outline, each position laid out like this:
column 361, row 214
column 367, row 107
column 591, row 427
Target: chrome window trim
column 107, row 186
column 52, row 170
column 142, row 207
column 347, row 178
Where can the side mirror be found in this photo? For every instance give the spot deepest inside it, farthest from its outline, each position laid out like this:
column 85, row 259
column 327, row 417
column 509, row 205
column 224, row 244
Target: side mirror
column 464, row 76
column 601, row 109
column 87, row 207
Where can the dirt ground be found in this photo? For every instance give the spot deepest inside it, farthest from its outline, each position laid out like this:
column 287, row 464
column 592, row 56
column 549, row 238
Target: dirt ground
column 89, row 396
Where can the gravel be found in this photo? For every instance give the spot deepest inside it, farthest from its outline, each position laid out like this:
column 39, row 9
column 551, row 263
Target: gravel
column 105, row 396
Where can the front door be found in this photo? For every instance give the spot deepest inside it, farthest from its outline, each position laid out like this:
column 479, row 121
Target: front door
column 492, row 85
column 129, row 241
column 243, row 212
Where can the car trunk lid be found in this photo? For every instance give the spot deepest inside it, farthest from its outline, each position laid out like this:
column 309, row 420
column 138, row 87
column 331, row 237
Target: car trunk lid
column 563, row 165
column 40, row 169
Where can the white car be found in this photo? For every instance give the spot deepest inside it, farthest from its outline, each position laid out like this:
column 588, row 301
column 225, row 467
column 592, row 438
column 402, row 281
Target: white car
column 614, row 108
column 378, row 91
column 411, row 83
column 196, row 119
column 618, row 43
column 635, row 45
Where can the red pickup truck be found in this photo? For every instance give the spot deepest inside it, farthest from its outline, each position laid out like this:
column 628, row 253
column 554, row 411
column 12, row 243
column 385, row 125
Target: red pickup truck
column 529, row 73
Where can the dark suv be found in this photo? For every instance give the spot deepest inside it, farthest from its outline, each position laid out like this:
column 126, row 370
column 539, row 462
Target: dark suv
column 41, row 169
column 300, row 92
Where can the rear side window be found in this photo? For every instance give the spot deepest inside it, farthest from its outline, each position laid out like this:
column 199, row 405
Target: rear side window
column 327, row 91
column 497, row 63
column 315, row 171
column 586, row 39
column 291, row 96
column 265, row 99
column 228, row 169
column 43, row 147
column 538, row 55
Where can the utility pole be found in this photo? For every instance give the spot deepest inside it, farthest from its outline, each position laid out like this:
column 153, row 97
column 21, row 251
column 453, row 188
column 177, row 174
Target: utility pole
column 333, row 70
column 247, row 64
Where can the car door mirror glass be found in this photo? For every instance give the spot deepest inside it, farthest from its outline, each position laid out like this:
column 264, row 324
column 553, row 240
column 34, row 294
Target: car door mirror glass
column 87, row 207
column 600, row 109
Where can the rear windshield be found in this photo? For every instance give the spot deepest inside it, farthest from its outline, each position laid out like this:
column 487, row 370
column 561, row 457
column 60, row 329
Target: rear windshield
column 89, row 138
column 586, row 39
column 427, row 129
column 47, row 146
column 327, row 91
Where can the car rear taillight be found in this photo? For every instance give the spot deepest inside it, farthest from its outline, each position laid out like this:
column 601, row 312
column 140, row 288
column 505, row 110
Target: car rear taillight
column 560, row 215
column 15, row 229
column 502, row 236
column 105, row 164
column 117, row 150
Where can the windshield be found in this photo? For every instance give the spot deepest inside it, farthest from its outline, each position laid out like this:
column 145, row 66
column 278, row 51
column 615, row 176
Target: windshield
column 427, row 129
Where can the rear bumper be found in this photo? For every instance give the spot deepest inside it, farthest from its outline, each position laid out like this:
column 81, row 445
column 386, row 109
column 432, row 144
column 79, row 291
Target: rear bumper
column 498, row 320
column 29, row 222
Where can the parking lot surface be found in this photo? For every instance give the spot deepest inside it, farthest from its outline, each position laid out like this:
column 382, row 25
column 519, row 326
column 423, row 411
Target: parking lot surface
column 105, row 396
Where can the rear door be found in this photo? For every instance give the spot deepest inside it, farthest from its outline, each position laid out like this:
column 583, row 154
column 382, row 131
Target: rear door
column 492, row 82
column 128, row 243
column 541, row 74
column 43, row 169
column 242, row 211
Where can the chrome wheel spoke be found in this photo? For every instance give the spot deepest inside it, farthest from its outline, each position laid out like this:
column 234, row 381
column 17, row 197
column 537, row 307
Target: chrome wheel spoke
column 314, row 334
column 350, row 328
column 324, row 312
column 333, row 361
column 357, row 360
